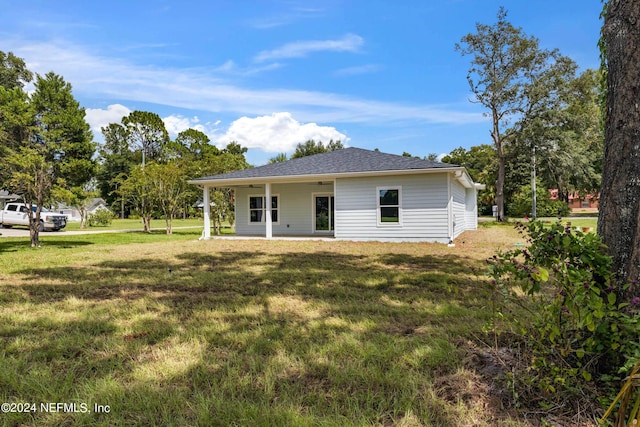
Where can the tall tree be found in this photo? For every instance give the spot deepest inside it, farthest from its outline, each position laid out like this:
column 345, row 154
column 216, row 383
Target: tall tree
column 312, row 147
column 14, row 118
column 17, row 122
column 481, row 163
column 192, row 151
column 139, row 188
column 230, row 159
column 192, row 144
column 279, row 158
column 116, row 160
column 148, row 133
column 81, row 198
column 234, row 148
column 619, row 217
column 56, row 154
column 505, row 77
column 170, row 188
column 567, row 135
column 13, row 71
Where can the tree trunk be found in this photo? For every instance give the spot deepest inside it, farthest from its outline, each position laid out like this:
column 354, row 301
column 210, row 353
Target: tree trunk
column 500, row 185
column 146, row 223
column 619, row 217
column 34, row 220
column 83, row 217
column 34, row 232
column 497, row 141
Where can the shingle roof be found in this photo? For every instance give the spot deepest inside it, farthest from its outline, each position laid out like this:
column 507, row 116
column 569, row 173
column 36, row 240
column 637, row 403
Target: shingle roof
column 6, row 195
column 348, row 160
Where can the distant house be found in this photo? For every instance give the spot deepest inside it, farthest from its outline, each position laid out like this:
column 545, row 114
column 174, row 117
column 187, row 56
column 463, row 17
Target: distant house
column 74, row 215
column 6, row 197
column 351, row 194
column 588, row 203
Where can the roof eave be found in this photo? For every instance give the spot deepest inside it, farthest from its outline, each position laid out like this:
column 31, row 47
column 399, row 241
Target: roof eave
column 225, row 182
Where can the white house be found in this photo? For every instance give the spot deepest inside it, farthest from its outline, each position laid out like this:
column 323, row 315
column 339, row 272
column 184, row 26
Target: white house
column 73, row 214
column 6, row 197
column 351, row 194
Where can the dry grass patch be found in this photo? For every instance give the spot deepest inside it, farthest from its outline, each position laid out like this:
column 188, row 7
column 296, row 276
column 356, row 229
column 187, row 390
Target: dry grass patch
column 174, row 331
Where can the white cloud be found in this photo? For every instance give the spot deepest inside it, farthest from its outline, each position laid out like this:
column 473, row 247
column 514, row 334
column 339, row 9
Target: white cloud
column 198, row 89
column 177, row 123
column 266, row 23
column 276, row 133
column 285, row 18
column 230, row 68
column 229, row 65
column 98, row 118
column 349, row 43
column 357, row 70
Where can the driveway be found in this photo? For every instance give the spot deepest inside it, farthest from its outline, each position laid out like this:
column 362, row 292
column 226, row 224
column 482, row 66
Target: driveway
column 14, row 232
column 24, row 232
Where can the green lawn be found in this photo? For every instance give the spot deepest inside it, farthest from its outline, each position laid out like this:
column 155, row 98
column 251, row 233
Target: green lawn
column 136, row 224
column 591, row 222
column 584, row 222
column 168, row 330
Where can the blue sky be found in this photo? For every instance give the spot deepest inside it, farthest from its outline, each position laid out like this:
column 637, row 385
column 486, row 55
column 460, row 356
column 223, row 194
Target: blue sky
column 270, row 74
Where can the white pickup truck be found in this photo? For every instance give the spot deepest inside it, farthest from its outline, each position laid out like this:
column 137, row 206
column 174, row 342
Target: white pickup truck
column 17, row 214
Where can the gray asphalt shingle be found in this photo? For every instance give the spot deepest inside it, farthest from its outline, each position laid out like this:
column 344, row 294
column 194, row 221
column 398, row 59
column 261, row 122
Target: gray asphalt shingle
column 348, row 160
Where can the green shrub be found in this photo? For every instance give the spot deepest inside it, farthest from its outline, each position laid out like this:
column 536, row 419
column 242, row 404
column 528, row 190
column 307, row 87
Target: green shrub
column 579, row 331
column 520, row 204
column 101, row 218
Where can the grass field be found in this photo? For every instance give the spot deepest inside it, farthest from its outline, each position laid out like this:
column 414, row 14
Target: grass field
column 168, row 330
column 589, row 222
column 136, row 224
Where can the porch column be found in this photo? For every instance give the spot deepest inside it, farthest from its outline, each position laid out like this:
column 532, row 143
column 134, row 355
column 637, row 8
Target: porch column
column 450, row 219
column 267, row 221
column 335, row 223
column 207, row 213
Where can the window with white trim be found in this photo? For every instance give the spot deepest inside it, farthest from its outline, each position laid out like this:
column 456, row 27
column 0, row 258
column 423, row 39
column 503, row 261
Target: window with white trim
column 257, row 209
column 389, row 201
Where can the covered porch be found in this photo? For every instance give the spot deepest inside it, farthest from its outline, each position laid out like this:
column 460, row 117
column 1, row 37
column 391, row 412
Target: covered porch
column 279, row 210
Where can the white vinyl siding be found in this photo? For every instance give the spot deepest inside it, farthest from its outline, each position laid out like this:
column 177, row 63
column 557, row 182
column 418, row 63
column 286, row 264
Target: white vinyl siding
column 433, row 207
column 424, row 208
column 458, row 199
column 471, row 209
column 295, row 216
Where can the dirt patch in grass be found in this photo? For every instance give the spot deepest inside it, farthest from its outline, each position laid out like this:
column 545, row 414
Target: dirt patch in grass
column 483, row 386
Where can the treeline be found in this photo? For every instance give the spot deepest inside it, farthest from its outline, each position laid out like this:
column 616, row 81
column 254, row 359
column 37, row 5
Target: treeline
column 537, row 104
column 141, row 171
column 49, row 156
column 564, row 146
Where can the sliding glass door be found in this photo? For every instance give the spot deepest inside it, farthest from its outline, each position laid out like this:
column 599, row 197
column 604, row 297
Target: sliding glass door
column 323, row 213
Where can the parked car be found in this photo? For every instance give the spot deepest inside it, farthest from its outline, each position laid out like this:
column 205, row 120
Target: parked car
column 18, row 214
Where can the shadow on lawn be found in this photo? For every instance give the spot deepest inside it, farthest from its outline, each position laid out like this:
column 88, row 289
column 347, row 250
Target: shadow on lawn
column 11, row 244
column 327, row 332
